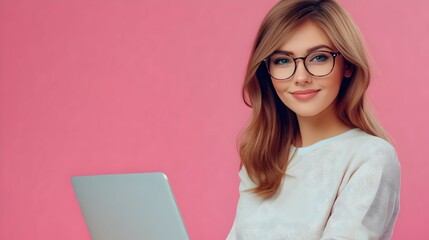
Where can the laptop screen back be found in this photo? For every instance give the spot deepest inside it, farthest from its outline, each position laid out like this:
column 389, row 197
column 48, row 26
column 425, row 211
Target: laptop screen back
column 129, row 206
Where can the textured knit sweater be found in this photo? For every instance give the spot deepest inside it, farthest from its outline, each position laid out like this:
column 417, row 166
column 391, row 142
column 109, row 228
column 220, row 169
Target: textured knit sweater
column 344, row 187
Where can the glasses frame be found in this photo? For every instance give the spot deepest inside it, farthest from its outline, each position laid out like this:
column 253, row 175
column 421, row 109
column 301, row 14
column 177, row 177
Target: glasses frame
column 334, row 55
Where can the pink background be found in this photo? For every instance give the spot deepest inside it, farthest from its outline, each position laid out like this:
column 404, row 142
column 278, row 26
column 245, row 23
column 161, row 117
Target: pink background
column 118, row 86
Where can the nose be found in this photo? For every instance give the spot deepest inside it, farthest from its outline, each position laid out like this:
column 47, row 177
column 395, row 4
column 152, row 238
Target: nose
column 301, row 75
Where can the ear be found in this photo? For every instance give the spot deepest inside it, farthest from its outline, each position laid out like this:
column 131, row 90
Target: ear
column 348, row 71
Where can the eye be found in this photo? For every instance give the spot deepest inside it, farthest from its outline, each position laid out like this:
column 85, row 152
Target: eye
column 281, row 60
column 319, row 57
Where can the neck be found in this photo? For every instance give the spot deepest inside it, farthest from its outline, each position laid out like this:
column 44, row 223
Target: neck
column 319, row 127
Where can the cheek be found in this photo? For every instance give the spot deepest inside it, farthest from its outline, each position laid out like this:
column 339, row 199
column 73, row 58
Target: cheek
column 282, row 91
column 330, row 87
column 280, row 87
column 339, row 69
column 336, row 83
column 334, row 80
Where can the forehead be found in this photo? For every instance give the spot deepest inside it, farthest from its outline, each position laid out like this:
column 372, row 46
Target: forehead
column 305, row 37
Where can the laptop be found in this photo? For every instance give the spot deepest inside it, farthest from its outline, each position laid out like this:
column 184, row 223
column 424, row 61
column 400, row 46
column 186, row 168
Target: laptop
column 129, row 207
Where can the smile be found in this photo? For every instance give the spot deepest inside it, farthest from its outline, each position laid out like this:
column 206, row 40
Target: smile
column 305, row 94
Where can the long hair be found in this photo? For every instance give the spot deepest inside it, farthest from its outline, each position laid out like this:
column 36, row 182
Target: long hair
column 265, row 144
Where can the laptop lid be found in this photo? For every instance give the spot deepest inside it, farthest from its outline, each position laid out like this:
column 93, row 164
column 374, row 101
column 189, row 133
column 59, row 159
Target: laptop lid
column 129, row 206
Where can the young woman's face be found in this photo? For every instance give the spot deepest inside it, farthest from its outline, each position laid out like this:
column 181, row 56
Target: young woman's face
column 303, row 93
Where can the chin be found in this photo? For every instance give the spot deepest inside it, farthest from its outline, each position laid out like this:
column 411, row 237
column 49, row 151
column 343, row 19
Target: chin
column 309, row 112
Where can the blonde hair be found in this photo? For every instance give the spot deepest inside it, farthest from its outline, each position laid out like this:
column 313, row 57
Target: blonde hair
column 265, row 143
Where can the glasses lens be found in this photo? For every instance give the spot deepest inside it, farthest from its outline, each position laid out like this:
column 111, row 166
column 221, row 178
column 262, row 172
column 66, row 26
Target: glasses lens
column 319, row 63
column 281, row 66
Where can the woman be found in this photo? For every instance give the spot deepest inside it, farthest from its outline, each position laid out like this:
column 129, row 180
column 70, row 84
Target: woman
column 315, row 164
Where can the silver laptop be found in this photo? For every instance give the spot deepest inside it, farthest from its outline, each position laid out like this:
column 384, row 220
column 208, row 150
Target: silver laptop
column 129, row 207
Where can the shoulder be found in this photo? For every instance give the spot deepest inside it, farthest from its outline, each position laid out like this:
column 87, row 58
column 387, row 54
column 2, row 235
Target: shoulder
column 370, row 147
column 246, row 182
column 372, row 166
column 374, row 152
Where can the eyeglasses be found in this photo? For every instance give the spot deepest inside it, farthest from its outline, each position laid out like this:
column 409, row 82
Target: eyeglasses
column 319, row 64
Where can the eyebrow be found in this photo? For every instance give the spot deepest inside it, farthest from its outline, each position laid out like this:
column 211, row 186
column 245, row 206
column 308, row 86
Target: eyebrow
column 308, row 50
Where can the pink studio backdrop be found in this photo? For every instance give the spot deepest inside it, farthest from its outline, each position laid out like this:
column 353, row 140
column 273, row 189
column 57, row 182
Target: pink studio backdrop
column 118, row 86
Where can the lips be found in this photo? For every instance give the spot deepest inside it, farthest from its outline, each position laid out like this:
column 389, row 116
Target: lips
column 305, row 94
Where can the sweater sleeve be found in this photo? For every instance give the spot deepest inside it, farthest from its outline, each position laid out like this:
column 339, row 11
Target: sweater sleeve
column 367, row 205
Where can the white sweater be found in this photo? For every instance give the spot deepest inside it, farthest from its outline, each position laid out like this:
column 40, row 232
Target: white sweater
column 344, row 187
